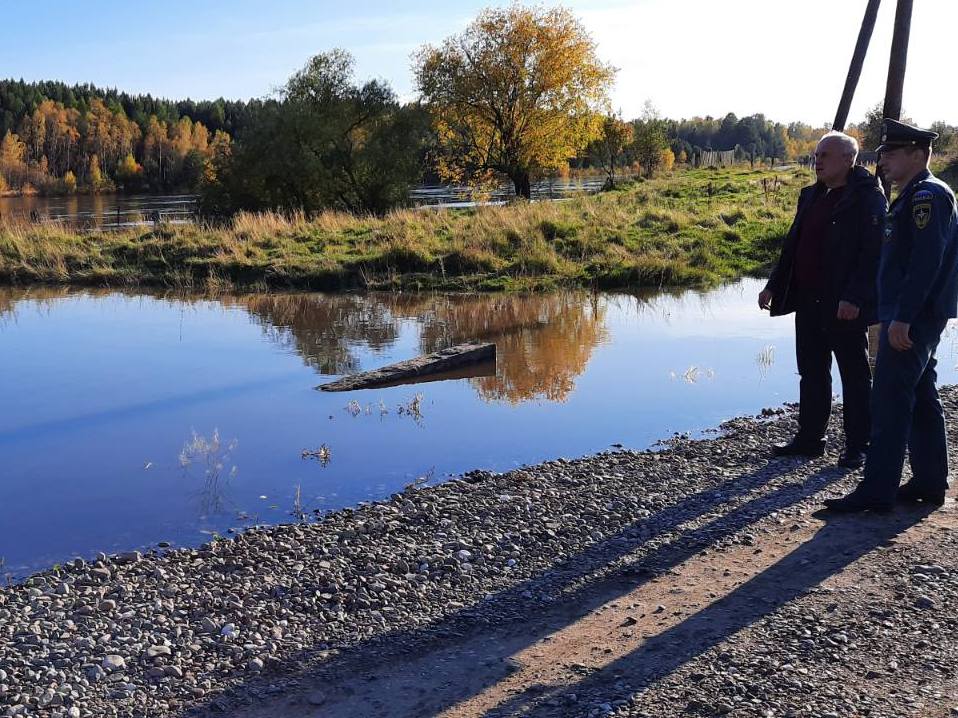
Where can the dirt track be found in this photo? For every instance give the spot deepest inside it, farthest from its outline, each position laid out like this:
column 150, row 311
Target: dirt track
column 760, row 609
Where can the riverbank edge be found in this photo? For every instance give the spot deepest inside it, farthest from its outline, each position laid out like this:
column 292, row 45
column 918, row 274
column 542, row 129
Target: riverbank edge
column 184, row 625
column 359, row 283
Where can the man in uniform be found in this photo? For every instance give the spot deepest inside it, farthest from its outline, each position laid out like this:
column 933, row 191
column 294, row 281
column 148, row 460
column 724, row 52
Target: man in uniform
column 826, row 275
column 917, row 294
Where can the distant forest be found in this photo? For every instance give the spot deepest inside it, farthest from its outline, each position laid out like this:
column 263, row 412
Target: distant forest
column 56, row 138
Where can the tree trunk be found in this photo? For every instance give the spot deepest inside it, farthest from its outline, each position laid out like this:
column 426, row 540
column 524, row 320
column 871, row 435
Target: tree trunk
column 522, row 184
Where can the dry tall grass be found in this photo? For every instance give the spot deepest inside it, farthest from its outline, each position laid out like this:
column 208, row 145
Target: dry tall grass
column 693, row 227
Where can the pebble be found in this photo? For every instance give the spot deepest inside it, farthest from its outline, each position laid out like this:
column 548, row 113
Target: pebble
column 113, row 663
column 195, row 622
column 156, row 651
column 316, row 698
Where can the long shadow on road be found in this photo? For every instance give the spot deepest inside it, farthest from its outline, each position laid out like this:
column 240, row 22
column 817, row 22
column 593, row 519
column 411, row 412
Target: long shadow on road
column 488, row 637
column 839, row 543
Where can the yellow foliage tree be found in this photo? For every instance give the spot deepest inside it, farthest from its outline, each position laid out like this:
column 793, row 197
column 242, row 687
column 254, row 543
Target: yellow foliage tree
column 110, row 136
column 667, row 160
column 860, row 136
column 220, row 148
column 70, row 182
column 96, row 174
column 516, row 94
column 12, row 150
column 201, row 138
column 128, row 170
column 608, row 149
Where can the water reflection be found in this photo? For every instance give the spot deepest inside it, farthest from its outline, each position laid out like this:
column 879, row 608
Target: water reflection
column 99, row 211
column 543, row 341
column 100, row 390
column 326, row 330
column 207, row 462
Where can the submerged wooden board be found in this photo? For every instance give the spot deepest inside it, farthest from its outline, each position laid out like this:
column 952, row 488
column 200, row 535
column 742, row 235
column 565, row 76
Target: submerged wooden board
column 421, row 367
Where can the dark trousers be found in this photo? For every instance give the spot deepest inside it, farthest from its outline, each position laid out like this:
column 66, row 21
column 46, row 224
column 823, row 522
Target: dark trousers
column 818, row 335
column 907, row 413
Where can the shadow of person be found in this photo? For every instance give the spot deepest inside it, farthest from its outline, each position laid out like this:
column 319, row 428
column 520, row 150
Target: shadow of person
column 839, row 543
column 471, row 649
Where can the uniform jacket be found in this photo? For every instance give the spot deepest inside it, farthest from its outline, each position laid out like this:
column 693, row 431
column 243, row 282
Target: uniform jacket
column 918, row 275
column 852, row 248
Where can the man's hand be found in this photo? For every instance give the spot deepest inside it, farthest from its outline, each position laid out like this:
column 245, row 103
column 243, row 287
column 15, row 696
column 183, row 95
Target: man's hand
column 847, row 311
column 898, row 336
column 765, row 299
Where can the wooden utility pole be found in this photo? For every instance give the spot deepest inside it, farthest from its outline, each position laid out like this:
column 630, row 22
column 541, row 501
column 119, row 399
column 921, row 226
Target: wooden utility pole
column 858, row 59
column 899, row 57
column 896, row 69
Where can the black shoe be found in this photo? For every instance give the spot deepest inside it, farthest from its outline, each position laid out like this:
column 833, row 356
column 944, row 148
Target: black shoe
column 798, row 447
column 911, row 494
column 852, row 458
column 853, row 504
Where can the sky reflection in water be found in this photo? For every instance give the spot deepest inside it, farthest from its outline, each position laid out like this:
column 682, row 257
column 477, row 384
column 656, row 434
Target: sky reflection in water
column 133, row 418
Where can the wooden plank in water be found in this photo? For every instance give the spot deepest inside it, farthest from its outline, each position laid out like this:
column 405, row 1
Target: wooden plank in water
column 411, row 369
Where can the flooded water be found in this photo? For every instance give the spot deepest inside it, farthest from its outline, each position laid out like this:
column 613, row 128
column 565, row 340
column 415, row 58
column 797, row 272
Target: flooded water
column 549, row 189
column 100, row 211
column 132, row 419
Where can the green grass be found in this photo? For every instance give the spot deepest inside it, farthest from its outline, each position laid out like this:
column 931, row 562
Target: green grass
column 666, row 231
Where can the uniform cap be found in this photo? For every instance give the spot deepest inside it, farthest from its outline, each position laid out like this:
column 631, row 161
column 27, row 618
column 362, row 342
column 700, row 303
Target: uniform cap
column 896, row 134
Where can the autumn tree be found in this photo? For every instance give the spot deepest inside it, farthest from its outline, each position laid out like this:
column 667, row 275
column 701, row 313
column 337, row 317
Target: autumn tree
column 608, row 149
column 667, row 159
column 220, row 150
column 13, row 151
column 217, row 181
column 516, row 94
column 64, row 143
column 650, row 139
column 870, row 129
column 947, row 136
column 325, row 142
column 129, row 173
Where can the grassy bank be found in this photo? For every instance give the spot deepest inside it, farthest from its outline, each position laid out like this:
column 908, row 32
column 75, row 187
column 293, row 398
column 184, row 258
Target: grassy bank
column 693, row 227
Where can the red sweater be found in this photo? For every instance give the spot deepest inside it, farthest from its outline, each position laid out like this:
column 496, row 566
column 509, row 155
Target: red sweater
column 810, row 270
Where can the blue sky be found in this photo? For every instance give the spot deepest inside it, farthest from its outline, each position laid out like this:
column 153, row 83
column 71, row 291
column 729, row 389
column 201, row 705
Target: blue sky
column 690, row 57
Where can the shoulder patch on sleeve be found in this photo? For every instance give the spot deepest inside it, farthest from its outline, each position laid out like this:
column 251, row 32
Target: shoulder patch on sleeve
column 921, row 213
column 923, row 195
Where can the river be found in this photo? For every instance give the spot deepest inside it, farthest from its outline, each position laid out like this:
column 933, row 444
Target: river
column 133, row 418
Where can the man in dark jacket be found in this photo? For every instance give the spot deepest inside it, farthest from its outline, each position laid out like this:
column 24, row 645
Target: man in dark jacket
column 917, row 295
column 826, row 274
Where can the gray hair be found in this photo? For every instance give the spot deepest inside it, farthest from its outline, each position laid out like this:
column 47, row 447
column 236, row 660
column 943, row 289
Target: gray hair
column 849, row 143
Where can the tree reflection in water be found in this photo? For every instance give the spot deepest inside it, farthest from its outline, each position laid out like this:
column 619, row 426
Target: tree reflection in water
column 544, row 341
column 323, row 329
